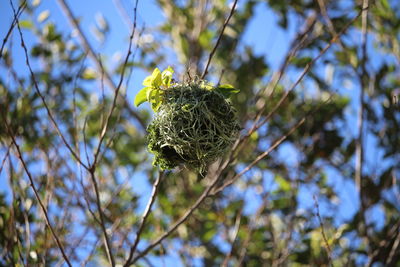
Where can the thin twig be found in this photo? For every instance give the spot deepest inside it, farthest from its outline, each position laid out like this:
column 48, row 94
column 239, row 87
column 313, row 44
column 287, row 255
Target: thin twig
column 180, row 221
column 146, row 213
column 32, row 185
column 360, row 126
column 5, row 158
column 250, row 229
column 302, row 75
column 36, row 86
column 219, row 39
column 107, row 243
column 116, row 92
column 321, row 224
column 13, row 23
column 238, row 219
column 89, row 49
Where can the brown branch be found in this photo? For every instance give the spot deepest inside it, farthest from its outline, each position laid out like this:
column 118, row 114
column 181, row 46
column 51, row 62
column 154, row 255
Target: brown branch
column 250, row 229
column 13, row 23
column 36, row 86
column 180, row 221
column 89, row 49
column 219, row 39
column 5, row 158
column 258, row 124
column 102, row 136
column 32, row 185
column 321, row 224
column 146, row 213
column 116, row 92
column 236, row 231
column 107, row 243
column 360, row 126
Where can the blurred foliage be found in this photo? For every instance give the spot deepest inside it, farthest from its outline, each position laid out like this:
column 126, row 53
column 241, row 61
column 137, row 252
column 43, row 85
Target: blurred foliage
column 268, row 217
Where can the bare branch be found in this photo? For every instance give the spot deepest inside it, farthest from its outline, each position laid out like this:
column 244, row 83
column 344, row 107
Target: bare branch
column 219, row 39
column 5, row 158
column 327, row 246
column 180, row 221
column 13, row 23
column 107, row 243
column 36, row 86
column 236, row 231
column 146, row 213
column 258, row 124
column 32, row 185
column 360, row 126
column 116, row 92
column 89, row 49
column 250, row 229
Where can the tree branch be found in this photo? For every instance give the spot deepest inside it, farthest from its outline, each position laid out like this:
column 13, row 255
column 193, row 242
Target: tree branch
column 89, row 49
column 32, row 185
column 36, row 86
column 218, row 40
column 146, row 213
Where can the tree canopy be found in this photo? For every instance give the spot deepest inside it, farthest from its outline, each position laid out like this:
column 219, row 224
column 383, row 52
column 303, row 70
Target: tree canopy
column 311, row 180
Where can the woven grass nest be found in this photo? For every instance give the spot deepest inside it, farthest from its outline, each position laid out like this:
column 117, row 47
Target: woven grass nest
column 194, row 124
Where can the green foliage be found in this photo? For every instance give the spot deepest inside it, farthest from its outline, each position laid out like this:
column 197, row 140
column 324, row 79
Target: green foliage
column 268, row 217
column 157, row 83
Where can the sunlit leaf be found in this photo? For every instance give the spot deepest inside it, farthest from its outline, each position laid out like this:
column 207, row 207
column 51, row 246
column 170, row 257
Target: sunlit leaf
column 89, row 74
column 154, row 97
column 27, row 24
column 227, row 90
column 147, row 81
column 283, row 184
column 207, row 85
column 141, row 97
column 156, row 78
column 167, row 76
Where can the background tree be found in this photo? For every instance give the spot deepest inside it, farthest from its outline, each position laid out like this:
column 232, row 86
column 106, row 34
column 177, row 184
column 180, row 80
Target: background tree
column 311, row 181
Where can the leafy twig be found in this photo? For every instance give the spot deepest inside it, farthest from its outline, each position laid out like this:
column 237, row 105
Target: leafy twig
column 257, row 124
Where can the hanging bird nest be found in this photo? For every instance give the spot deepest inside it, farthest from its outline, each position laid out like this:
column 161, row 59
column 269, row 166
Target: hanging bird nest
column 194, row 125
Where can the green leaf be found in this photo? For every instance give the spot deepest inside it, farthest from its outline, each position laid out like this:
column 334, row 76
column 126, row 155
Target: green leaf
column 27, row 24
column 166, row 76
column 227, row 90
column 141, row 97
column 147, row 81
column 283, row 184
column 156, row 80
column 155, row 99
column 205, row 38
column 207, row 85
column 89, row 74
